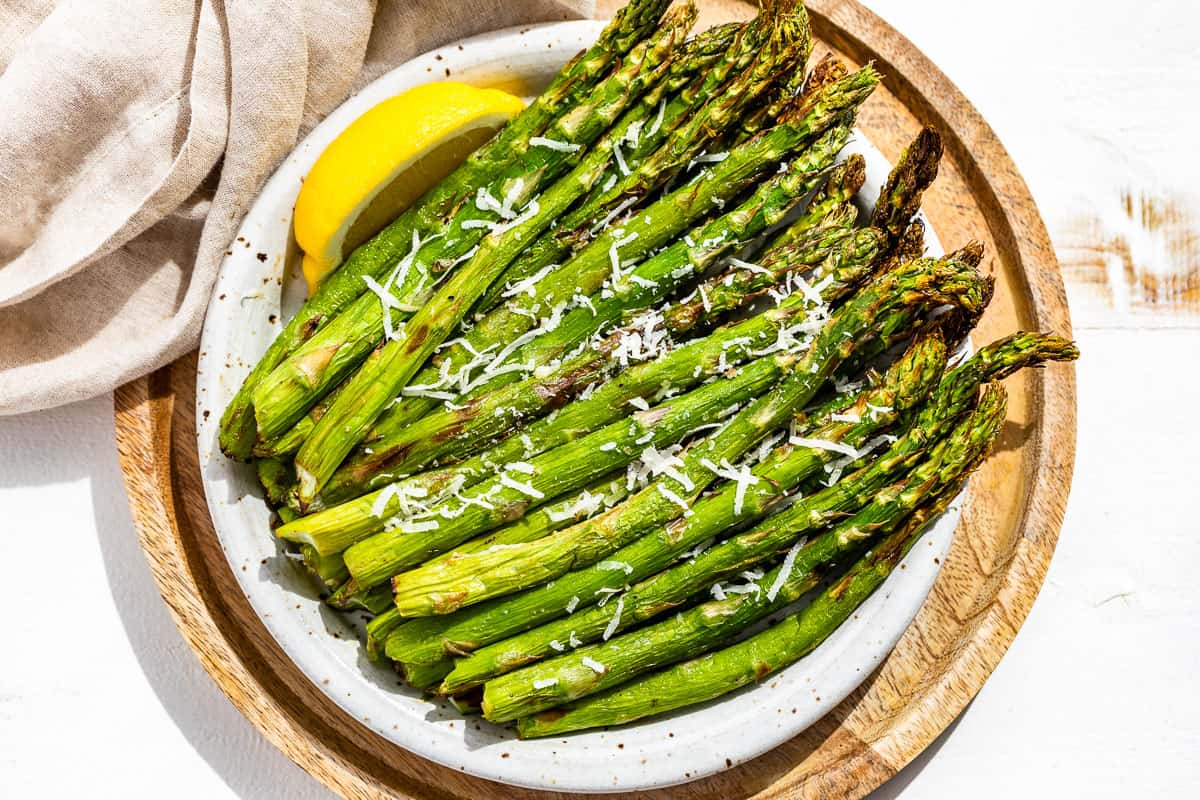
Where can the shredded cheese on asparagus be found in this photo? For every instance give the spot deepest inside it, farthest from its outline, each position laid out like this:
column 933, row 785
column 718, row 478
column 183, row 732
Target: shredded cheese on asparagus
column 554, row 144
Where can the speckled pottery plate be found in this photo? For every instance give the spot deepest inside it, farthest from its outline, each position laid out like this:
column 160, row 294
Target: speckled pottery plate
column 258, row 286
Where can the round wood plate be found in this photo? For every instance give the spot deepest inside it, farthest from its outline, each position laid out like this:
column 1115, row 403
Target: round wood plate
column 995, row 567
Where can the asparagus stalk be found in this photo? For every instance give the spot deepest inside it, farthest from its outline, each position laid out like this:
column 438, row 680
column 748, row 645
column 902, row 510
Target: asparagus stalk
column 321, row 363
column 696, row 630
column 564, row 469
column 766, row 205
column 537, row 257
column 374, row 601
column 379, row 628
column 605, row 493
column 658, row 224
column 627, row 182
column 906, row 384
column 276, row 477
column 442, row 588
column 468, row 704
column 328, row 570
column 288, row 443
column 718, row 673
column 746, row 282
column 828, row 69
column 427, row 640
column 909, row 246
column 577, row 77
column 679, row 369
column 900, row 197
column 899, row 326
column 333, row 530
column 542, row 521
column 469, row 427
column 839, row 190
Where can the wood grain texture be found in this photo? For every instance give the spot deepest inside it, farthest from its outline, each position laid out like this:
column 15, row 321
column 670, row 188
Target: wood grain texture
column 993, row 572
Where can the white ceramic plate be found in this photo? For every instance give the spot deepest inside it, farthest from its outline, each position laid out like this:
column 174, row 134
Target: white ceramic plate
column 253, row 294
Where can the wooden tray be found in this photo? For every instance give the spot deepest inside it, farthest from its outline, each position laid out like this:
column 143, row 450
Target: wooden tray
column 993, row 573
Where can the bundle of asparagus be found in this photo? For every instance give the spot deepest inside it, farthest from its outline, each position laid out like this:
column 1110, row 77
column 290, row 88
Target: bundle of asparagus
column 638, row 347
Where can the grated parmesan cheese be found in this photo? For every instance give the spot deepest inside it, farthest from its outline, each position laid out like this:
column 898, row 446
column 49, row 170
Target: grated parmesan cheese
column 615, row 621
column 742, row 477
column 554, row 144
column 658, row 119
column 785, row 570
column 620, row 158
column 593, row 665
column 528, row 285
column 610, row 216
column 523, row 488
column 823, row 444
column 676, row 499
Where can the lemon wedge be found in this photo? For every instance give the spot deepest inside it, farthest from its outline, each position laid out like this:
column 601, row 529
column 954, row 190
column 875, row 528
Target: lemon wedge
column 385, row 160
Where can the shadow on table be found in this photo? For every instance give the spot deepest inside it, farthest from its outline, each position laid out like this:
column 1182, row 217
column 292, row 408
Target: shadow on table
column 246, row 762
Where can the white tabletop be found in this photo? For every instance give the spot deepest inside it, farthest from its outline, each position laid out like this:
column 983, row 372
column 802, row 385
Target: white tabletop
column 1097, row 102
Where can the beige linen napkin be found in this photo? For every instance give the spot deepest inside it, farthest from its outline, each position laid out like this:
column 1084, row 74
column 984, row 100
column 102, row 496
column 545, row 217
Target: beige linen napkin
column 134, row 136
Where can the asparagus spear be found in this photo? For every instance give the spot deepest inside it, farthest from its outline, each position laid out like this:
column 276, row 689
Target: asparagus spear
column 746, row 282
column 910, row 245
column 375, row 601
column 900, row 197
column 767, row 204
column 542, row 521
column 828, row 69
column 839, row 190
column 577, row 77
column 627, row 182
column 718, row 673
column 327, row 570
column 906, row 384
column 429, row 639
column 658, row 224
column 276, row 478
column 289, row 442
column 391, row 366
column 442, row 588
column 898, row 326
column 515, row 490
column 379, row 628
column 469, row 427
column 696, row 630
column 321, row 363
column 408, row 409
column 679, row 369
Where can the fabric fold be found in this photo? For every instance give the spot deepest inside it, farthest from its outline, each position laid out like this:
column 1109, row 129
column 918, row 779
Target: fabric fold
column 135, row 138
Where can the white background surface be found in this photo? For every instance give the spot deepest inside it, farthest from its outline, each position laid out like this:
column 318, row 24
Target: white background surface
column 1097, row 696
